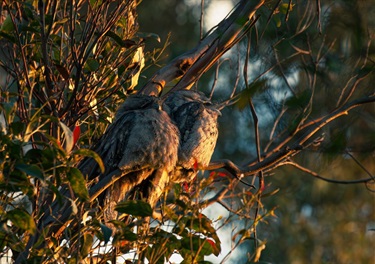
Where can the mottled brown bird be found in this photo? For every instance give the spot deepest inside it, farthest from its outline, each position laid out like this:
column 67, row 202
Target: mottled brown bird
column 139, row 149
column 196, row 118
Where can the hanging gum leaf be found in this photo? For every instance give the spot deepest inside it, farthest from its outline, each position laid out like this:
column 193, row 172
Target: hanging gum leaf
column 68, row 134
column 107, row 233
column 78, row 183
column 135, row 208
column 22, row 219
column 92, row 154
column 31, row 170
column 88, row 239
column 76, row 134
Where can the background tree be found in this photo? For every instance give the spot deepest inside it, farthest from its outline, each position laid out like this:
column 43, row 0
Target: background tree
column 302, row 76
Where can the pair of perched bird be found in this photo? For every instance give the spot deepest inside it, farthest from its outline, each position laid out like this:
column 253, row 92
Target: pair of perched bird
column 152, row 142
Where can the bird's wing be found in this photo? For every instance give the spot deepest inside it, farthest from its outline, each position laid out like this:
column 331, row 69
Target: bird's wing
column 112, row 147
column 135, row 145
column 199, row 131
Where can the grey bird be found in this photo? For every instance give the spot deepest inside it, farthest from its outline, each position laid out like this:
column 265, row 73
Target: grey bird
column 140, row 148
column 196, row 118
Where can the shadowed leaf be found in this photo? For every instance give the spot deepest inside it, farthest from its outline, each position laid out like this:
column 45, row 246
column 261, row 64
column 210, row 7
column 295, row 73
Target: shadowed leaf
column 78, row 183
column 135, row 208
column 22, row 220
column 31, row 170
column 107, row 232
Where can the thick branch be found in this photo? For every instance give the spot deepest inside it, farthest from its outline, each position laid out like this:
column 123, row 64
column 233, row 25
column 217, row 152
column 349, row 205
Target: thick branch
column 192, row 64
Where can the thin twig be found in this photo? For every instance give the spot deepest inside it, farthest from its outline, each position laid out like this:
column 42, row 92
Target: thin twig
column 316, row 175
column 283, row 151
column 201, row 20
column 360, row 164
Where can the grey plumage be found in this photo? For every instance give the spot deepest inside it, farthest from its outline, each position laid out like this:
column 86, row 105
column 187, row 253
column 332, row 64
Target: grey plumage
column 142, row 144
column 146, row 147
column 196, row 118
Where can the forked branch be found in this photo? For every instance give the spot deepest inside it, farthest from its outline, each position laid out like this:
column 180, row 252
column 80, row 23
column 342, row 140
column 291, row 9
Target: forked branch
column 192, row 64
column 281, row 154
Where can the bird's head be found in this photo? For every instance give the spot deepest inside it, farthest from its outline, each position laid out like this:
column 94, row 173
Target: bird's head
column 139, row 102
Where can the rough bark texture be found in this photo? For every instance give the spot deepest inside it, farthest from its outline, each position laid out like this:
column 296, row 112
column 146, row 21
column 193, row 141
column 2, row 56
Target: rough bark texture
column 191, row 65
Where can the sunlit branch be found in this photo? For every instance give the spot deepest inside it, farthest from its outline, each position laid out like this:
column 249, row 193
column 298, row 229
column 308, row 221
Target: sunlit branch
column 282, row 152
column 192, row 64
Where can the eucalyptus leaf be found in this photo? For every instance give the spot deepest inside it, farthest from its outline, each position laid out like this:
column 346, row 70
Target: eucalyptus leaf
column 78, row 183
column 32, row 170
column 135, row 208
column 22, row 219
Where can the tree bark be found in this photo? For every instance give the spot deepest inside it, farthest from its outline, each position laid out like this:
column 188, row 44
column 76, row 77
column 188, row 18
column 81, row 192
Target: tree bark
column 189, row 66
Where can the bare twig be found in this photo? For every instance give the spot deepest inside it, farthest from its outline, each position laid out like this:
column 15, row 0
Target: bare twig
column 316, row 175
column 283, row 151
column 318, row 13
column 201, row 20
column 360, row 164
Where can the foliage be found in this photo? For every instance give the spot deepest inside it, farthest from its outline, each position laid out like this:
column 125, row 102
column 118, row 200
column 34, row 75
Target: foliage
column 69, row 64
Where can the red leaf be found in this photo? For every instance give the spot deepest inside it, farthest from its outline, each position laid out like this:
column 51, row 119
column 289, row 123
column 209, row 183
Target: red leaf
column 215, row 249
column 185, row 187
column 211, row 241
column 195, row 165
column 222, row 174
column 76, row 134
column 216, row 175
column 262, row 185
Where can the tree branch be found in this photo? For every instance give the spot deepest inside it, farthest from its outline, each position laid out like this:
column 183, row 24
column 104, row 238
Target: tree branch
column 316, row 175
column 283, row 151
column 192, row 64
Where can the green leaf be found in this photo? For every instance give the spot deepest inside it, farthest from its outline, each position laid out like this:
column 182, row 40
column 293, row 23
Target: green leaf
column 194, row 243
column 277, row 20
column 17, row 127
column 249, row 92
column 8, row 37
column 284, row 8
column 123, row 43
column 214, row 247
column 78, row 183
column 300, row 101
column 135, row 208
column 31, row 170
column 107, row 233
column 95, row 3
column 92, row 154
column 87, row 244
column 92, row 65
column 22, row 219
column 125, row 234
column 7, row 25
